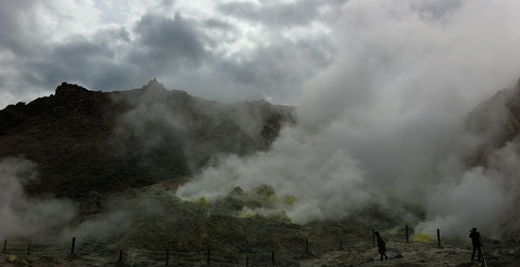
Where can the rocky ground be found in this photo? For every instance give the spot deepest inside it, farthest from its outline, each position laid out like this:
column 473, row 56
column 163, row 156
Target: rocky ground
column 401, row 254
column 139, row 225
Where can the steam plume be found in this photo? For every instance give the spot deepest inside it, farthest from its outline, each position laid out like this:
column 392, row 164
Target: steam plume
column 387, row 120
column 24, row 217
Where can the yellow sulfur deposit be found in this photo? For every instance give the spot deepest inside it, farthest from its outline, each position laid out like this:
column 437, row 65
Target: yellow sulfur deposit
column 396, row 230
column 264, row 194
column 203, row 200
column 289, row 199
column 11, row 258
column 420, row 237
column 245, row 215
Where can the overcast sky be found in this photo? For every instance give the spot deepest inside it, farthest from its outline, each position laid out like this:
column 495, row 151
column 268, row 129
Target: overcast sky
column 250, row 50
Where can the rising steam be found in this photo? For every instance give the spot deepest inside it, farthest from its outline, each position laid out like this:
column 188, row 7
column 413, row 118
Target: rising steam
column 24, row 217
column 388, row 120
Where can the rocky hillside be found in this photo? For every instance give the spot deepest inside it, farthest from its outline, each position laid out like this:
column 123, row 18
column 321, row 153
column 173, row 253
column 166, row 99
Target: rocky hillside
column 99, row 141
column 495, row 122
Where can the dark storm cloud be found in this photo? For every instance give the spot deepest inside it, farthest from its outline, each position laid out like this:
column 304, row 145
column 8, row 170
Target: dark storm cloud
column 298, row 13
column 436, row 10
column 90, row 63
column 183, row 52
column 274, row 63
column 168, row 3
column 218, row 24
column 111, row 61
column 18, row 33
column 165, row 42
column 109, row 36
column 20, row 40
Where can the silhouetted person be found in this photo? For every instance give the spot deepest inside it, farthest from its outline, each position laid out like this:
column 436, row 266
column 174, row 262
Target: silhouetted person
column 477, row 245
column 381, row 246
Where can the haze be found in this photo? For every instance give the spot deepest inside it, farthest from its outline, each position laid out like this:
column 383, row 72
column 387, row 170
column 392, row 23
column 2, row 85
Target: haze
column 382, row 89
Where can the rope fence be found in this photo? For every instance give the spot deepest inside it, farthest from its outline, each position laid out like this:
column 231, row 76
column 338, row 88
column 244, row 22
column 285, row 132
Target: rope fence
column 133, row 256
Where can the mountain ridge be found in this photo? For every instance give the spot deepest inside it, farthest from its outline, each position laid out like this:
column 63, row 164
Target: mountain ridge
column 86, row 140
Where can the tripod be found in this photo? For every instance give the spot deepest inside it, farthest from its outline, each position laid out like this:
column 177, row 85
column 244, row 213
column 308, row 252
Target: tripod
column 483, row 253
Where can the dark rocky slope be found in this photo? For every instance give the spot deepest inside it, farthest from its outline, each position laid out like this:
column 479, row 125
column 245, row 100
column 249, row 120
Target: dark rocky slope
column 495, row 122
column 99, row 141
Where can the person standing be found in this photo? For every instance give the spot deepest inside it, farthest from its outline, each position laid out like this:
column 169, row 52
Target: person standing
column 381, row 248
column 477, row 244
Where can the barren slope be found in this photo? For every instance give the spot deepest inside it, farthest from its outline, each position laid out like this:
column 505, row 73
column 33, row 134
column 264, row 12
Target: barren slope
column 88, row 141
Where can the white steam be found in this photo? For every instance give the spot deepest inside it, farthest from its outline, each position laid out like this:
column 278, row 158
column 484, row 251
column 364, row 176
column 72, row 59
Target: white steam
column 387, row 119
column 326, row 184
column 483, row 198
column 24, row 217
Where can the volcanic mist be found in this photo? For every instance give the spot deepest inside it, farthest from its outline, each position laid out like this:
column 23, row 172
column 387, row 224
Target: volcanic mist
column 385, row 124
column 388, row 121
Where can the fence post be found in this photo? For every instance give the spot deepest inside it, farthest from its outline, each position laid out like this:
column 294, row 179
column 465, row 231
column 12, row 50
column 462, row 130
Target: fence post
column 340, row 244
column 406, row 231
column 72, row 246
column 247, row 261
column 120, row 263
column 209, row 251
column 272, row 257
column 167, row 256
column 29, row 250
column 5, row 246
column 374, row 237
column 438, row 237
column 307, row 246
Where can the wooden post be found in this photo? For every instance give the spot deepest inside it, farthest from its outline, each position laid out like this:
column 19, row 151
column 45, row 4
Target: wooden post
column 167, row 256
column 307, row 246
column 72, row 246
column 374, row 237
column 209, row 253
column 272, row 257
column 406, row 231
column 120, row 255
column 247, row 261
column 438, row 237
column 5, row 246
column 340, row 244
column 29, row 250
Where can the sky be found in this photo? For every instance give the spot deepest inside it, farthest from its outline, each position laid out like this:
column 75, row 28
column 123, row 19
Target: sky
column 251, row 50
column 221, row 50
column 382, row 89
